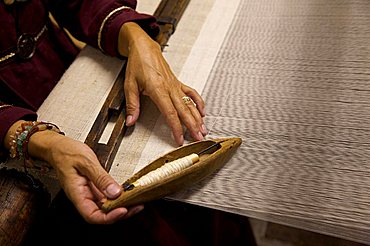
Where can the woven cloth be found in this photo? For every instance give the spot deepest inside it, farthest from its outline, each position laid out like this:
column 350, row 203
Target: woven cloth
column 292, row 78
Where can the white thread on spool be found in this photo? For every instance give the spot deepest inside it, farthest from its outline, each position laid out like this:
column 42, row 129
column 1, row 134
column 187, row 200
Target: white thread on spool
column 167, row 170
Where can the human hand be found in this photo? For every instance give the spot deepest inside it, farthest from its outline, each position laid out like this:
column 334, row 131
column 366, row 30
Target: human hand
column 148, row 73
column 84, row 180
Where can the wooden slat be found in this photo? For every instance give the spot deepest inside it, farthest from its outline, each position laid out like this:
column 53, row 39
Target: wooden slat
column 169, row 13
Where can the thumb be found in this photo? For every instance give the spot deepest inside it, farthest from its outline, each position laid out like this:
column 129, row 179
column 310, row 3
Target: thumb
column 112, row 190
column 103, row 181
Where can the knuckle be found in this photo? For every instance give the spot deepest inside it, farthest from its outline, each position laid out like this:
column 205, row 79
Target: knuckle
column 171, row 114
column 192, row 126
column 131, row 107
column 100, row 179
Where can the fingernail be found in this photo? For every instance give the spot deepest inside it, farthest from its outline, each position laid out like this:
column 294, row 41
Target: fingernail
column 129, row 120
column 204, row 129
column 138, row 209
column 200, row 135
column 181, row 140
column 203, row 111
column 112, row 190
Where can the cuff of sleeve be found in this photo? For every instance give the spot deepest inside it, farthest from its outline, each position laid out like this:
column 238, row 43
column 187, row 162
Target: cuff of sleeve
column 110, row 32
column 11, row 115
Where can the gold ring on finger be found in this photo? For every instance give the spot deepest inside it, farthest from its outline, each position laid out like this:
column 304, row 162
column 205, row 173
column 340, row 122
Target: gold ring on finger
column 188, row 100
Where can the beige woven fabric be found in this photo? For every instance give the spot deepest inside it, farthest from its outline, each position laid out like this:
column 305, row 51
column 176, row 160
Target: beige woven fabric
column 292, row 79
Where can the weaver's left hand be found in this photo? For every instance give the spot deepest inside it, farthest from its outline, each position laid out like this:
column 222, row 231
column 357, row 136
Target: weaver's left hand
column 85, row 182
column 148, row 73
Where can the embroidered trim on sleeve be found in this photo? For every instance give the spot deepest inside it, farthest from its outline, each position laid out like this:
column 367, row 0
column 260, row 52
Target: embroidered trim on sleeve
column 105, row 20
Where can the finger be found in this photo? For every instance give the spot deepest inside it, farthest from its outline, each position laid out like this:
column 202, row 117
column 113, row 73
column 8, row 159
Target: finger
column 98, row 196
column 166, row 107
column 114, row 215
column 85, row 201
column 94, row 172
column 132, row 96
column 193, row 94
column 196, row 114
column 187, row 117
column 97, row 216
column 133, row 210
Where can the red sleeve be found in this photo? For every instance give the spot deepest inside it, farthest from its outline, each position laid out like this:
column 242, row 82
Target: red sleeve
column 8, row 116
column 83, row 18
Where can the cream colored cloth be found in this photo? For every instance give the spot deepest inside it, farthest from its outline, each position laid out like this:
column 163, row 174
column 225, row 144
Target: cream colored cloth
column 292, row 79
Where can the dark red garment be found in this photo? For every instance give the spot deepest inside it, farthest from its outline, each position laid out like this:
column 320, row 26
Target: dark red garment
column 161, row 223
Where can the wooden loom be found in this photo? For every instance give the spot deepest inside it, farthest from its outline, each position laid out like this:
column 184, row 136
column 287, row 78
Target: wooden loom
column 168, row 14
column 18, row 194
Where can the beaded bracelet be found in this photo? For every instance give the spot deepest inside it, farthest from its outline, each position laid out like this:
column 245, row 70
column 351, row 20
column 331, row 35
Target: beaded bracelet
column 16, row 140
column 19, row 141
